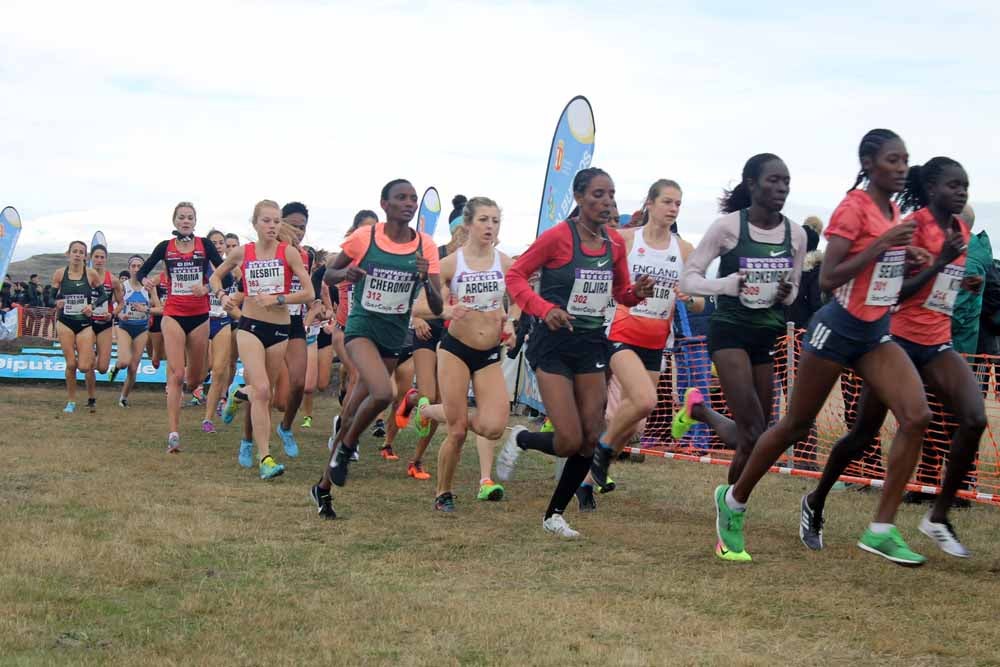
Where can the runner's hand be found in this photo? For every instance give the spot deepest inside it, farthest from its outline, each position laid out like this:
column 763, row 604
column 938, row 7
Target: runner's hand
column 354, row 274
column 199, row 290
column 784, row 289
column 953, row 248
column 458, row 312
column 557, row 318
column 422, row 266
column 88, row 310
column 421, row 329
column 972, row 284
column 643, row 286
column 899, row 235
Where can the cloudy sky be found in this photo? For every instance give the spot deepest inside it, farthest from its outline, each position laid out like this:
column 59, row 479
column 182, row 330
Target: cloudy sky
column 113, row 112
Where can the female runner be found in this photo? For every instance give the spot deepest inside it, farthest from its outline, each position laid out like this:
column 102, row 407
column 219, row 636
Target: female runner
column 864, row 266
column 133, row 327
column 220, row 341
column 103, row 321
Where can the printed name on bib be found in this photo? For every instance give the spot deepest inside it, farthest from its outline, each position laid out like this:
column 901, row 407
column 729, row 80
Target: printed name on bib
column 133, row 315
column 215, row 308
column 295, row 286
column 591, row 292
column 481, row 290
column 74, row 304
column 387, row 291
column 762, row 276
column 660, row 305
column 887, row 278
column 184, row 275
column 265, row 276
column 945, row 290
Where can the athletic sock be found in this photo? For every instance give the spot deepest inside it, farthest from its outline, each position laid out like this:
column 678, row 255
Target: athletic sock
column 574, row 472
column 880, row 528
column 540, row 442
column 734, row 504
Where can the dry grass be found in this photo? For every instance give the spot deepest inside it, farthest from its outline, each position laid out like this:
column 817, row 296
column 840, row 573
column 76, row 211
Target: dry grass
column 115, row 553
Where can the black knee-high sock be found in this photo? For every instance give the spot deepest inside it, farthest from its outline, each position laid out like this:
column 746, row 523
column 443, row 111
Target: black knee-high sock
column 540, row 442
column 574, row 472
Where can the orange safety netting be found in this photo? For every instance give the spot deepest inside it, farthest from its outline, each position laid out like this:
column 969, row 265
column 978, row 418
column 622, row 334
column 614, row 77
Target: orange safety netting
column 39, row 322
column 689, row 365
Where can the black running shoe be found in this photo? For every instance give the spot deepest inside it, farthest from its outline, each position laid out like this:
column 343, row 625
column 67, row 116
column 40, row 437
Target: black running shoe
column 378, row 430
column 92, row 404
column 445, row 502
column 324, row 502
column 585, row 495
column 810, row 526
column 341, row 459
column 600, row 463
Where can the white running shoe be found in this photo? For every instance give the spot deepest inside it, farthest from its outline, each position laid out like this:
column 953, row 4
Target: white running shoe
column 944, row 535
column 173, row 442
column 507, row 458
column 557, row 525
column 356, row 456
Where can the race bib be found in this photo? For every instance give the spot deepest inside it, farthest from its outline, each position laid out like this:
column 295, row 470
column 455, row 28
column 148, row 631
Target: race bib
column 387, row 291
column 133, row 315
column 101, row 311
column 481, row 291
column 184, row 275
column 762, row 277
column 215, row 308
column 945, row 291
column 74, row 304
column 887, row 278
column 660, row 306
column 313, row 330
column 591, row 293
column 265, row 276
column 296, row 286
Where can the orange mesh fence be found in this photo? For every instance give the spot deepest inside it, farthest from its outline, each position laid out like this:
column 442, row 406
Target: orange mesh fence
column 689, row 365
column 39, row 322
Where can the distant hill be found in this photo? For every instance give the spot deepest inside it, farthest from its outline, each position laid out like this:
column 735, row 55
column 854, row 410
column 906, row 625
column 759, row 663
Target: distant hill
column 45, row 265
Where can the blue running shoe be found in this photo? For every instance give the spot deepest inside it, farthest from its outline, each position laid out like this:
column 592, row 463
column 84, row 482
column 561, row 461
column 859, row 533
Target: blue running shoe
column 229, row 411
column 269, row 468
column 70, row 407
column 288, row 442
column 246, row 453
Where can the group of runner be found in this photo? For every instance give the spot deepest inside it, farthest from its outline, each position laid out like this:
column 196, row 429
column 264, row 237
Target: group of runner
column 416, row 326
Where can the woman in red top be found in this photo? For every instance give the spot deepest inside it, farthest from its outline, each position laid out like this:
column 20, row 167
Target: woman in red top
column 185, row 312
column 582, row 264
column 865, row 261
column 103, row 320
column 922, row 326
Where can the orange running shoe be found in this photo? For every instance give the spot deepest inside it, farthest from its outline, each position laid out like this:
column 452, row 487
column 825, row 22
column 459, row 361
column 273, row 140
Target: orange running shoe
column 416, row 470
column 404, row 409
column 387, row 453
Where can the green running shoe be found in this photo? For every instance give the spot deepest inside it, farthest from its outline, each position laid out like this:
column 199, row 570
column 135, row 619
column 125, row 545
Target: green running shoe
column 682, row 421
column 422, row 425
column 890, row 546
column 269, row 468
column 113, row 373
column 547, row 426
column 729, row 527
column 490, row 490
column 232, row 405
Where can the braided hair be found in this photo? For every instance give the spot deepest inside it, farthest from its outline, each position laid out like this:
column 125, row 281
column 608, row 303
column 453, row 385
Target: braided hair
column 914, row 194
column 583, row 178
column 870, row 145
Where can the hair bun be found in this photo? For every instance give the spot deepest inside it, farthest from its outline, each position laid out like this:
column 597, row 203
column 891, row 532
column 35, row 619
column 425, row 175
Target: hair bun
column 458, row 201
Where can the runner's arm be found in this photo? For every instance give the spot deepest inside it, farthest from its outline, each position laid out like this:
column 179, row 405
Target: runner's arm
column 157, row 256
column 712, row 245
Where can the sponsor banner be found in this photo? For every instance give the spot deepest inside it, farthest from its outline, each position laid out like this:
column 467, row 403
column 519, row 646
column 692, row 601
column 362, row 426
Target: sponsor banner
column 47, row 367
column 572, row 150
column 430, row 211
column 97, row 240
column 10, row 229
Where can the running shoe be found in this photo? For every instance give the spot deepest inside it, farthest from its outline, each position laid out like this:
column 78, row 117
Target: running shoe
column 729, row 528
column 891, row 546
column 445, row 503
column 207, row 426
column 173, row 442
column 585, row 496
column 507, row 458
column 70, row 407
column 415, row 469
column 92, row 405
column 944, row 534
column 600, row 463
column 490, row 490
column 307, row 422
column 403, row 410
column 122, row 402
column 547, row 426
column 608, row 487
column 246, row 453
column 219, row 406
column 113, row 373
column 324, row 502
column 683, row 421
column 356, row 454
column 557, row 525
column 810, row 526
column 378, row 430
column 288, row 442
column 269, row 468
column 198, row 394
column 229, row 411
column 422, row 425
column 341, row 461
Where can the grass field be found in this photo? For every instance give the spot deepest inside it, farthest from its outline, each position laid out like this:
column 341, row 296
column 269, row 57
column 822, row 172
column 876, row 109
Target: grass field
column 116, row 553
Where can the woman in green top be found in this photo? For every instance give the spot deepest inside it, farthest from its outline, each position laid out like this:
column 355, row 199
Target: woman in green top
column 760, row 263
column 386, row 262
column 78, row 290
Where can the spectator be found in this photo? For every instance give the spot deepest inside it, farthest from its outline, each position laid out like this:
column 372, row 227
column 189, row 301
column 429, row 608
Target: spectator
column 6, row 297
column 969, row 305
column 809, row 299
column 34, row 291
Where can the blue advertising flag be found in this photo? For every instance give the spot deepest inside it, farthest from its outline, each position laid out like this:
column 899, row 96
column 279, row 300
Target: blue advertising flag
column 10, row 229
column 572, row 150
column 97, row 240
column 430, row 211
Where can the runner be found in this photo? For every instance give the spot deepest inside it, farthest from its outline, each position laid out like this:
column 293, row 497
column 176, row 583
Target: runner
column 472, row 280
column 638, row 335
column 103, row 321
column 581, row 265
column 267, row 267
column 78, row 290
column 761, row 253
column 391, row 259
column 220, row 342
column 133, row 327
column 922, row 327
column 864, row 266
column 154, row 344
column 402, row 383
column 185, row 314
column 319, row 339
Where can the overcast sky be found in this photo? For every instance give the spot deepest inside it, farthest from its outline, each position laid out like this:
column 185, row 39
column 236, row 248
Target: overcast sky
column 114, row 112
